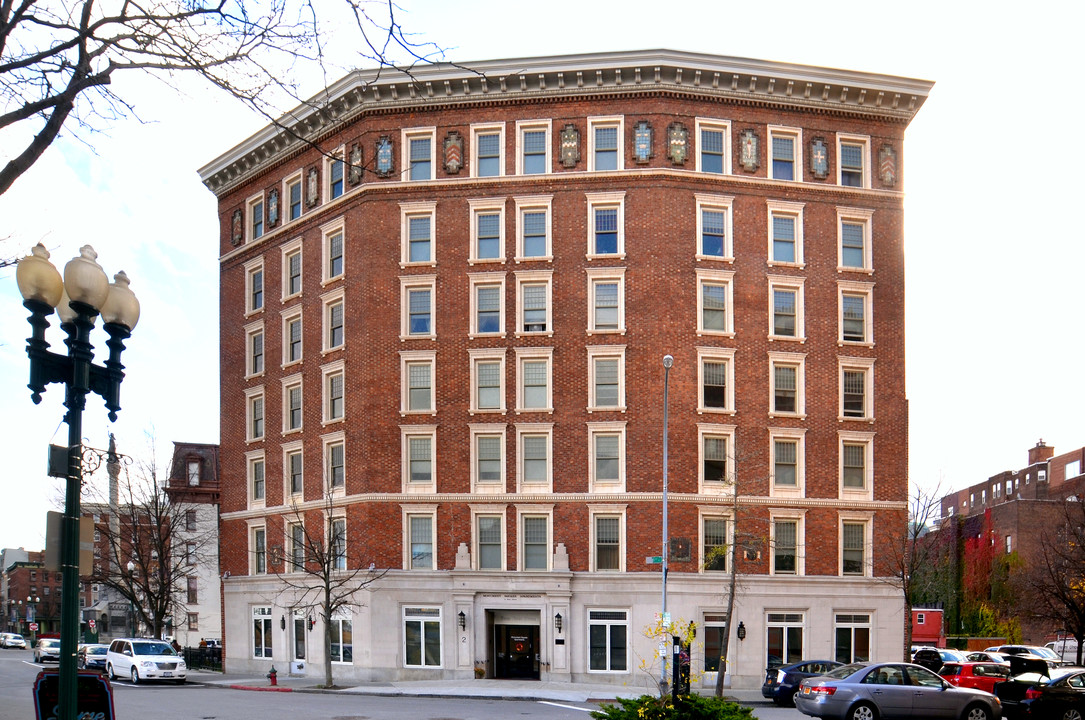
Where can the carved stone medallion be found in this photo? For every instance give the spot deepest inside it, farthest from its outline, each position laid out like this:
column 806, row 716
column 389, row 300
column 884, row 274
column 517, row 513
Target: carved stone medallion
column 570, row 146
column 677, row 143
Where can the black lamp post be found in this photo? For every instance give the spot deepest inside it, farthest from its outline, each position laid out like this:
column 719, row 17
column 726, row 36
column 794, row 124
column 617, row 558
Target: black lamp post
column 32, row 616
column 131, row 601
column 83, row 294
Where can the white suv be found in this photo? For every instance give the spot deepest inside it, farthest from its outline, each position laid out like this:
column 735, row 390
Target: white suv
column 144, row 659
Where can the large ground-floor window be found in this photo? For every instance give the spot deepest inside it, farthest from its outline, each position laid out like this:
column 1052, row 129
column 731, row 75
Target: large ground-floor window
column 261, row 632
column 608, row 646
column 852, row 638
column 785, row 632
column 342, row 649
column 422, row 636
column 715, row 627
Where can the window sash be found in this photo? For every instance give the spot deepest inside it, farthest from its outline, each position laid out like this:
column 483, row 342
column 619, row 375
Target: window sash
column 534, row 152
column 419, row 386
column 294, row 274
column 607, row 543
column 606, row 148
column 421, row 158
column 715, row 544
column 418, row 238
column 489, row 154
column 489, row 235
column 785, row 388
column 606, row 305
column 337, row 465
column 536, row 543
column 257, row 289
column 712, row 232
column 293, row 190
column 607, row 458
column 852, row 244
column 489, row 542
column 786, row 548
column 783, row 238
column 294, row 463
column 854, row 317
column 854, row 393
column 712, row 151
column 536, row 458
column 421, row 536
column 335, row 325
column 488, row 307
column 854, row 466
column 534, row 233
column 714, row 379
column 488, row 449
column 785, row 462
column 335, row 255
column 606, row 231
column 488, row 377
column 783, row 158
column 258, row 484
column 536, row 381
column 606, row 382
column 257, row 343
column 418, row 311
column 853, row 542
column 784, row 312
column 714, row 307
column 420, row 457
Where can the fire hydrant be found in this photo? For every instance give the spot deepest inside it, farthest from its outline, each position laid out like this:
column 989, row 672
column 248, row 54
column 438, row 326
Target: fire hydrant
column 273, row 676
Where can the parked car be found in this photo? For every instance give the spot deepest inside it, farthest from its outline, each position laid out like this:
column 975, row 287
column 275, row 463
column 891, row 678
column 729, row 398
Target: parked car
column 979, row 675
column 47, row 649
column 865, row 691
column 1066, row 649
column 985, row 656
column 1050, row 656
column 1036, row 690
column 15, row 640
column 141, row 659
column 91, row 657
column 782, row 682
column 934, row 658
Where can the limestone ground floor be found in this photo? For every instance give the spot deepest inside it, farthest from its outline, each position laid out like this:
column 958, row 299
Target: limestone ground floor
column 556, row 626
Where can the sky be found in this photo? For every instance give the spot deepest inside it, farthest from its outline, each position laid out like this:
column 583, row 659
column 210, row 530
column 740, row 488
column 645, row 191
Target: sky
column 992, row 270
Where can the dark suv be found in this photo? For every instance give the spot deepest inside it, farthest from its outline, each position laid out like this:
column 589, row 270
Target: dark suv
column 934, row 658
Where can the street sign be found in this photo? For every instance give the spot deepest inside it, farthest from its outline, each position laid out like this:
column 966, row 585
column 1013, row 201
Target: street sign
column 654, row 560
column 91, row 623
column 33, row 627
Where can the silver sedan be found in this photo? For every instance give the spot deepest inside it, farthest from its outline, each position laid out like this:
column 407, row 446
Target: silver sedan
column 866, row 691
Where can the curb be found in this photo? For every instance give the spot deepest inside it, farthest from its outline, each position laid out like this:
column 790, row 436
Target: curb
column 260, row 689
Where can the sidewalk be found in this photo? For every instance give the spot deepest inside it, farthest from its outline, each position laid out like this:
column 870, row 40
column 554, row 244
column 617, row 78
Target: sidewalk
column 492, row 689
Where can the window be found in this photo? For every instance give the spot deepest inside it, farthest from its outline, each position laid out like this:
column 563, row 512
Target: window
column 715, row 628
column 788, row 384
column 853, row 225
column 606, row 224
column 335, row 461
column 607, row 532
column 608, row 643
column 853, row 153
column 292, row 338
column 337, row 534
column 717, row 453
column 342, row 640
column 419, row 445
column 292, row 406
column 416, row 380
column 532, row 147
column 785, row 637
column 333, row 251
column 257, row 484
column 785, row 233
column 254, row 398
column 488, row 457
column 254, row 285
column 605, row 136
column 713, row 146
column 422, row 637
column 786, row 540
column 786, row 306
column 293, row 469
column 297, row 546
column 714, row 227
column 533, row 228
column 786, row 146
column 606, row 300
column 261, row 632
column 534, row 443
column 334, row 170
column 193, row 621
column 787, row 448
column 487, row 380
column 716, row 379
column 488, row 230
column 416, row 233
column 487, row 304
column 856, row 464
column 193, row 591
column 853, row 547
column 856, row 322
column 256, row 217
column 293, row 198
column 254, row 347
column 533, row 387
column 535, row 306
column 1009, row 544
column 193, row 472
column 417, row 300
column 714, row 545
column 420, row 529
column 418, row 144
column 856, row 388
column 489, row 545
column 488, row 143
column 714, row 302
column 852, row 638
column 535, row 542
column 190, row 519
column 606, row 448
column 606, row 378
column 259, row 551
column 333, row 320
column 292, row 270
column 334, row 395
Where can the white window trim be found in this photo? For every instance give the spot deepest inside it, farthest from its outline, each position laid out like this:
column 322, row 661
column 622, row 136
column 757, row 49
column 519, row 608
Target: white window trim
column 629, row 647
column 600, row 275
column 484, row 279
column 405, row 137
column 726, row 488
column 251, row 203
column 798, row 285
column 859, row 518
column 531, row 125
column 486, row 206
column 478, row 511
column 595, row 511
column 327, row 372
column 253, row 528
column 330, row 299
column 411, row 357
column 526, row 511
column 798, row 360
column 716, row 203
column 487, row 129
column 522, row 486
column 866, row 289
column 716, row 277
column 409, row 511
column 403, row 631
column 616, row 121
column 288, row 249
column 864, row 141
column 289, row 449
column 534, row 353
column 476, row 356
column 795, row 134
column 606, row 428
column 534, row 277
column 326, row 443
column 339, row 617
column 251, row 268
column 339, row 154
column 284, row 211
column 714, row 124
column 289, row 382
column 715, row 354
column 417, row 282
column 799, row 516
column 599, row 352
column 327, row 232
column 855, row 216
column 336, row 515
column 533, row 203
column 604, row 200
column 714, row 512
column 848, row 437
column 252, row 457
column 866, row 365
column 407, row 432
column 407, row 210
column 288, row 316
column 252, row 394
column 799, row 436
column 251, row 330
column 791, row 209
column 478, row 430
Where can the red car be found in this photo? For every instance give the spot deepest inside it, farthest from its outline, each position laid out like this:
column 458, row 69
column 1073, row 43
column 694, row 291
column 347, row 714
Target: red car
column 979, row 675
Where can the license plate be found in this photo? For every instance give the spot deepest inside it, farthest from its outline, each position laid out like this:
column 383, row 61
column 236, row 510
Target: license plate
column 167, row 674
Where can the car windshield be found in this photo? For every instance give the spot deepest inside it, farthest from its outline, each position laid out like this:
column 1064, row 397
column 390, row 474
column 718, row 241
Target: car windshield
column 844, row 671
column 157, row 648
column 100, row 650
column 49, row 643
column 1045, row 653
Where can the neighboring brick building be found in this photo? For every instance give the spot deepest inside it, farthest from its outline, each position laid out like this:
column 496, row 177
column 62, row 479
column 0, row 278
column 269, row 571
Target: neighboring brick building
column 32, row 595
column 451, row 320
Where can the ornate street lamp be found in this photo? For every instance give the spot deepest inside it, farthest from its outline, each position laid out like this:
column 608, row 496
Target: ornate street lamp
column 83, row 294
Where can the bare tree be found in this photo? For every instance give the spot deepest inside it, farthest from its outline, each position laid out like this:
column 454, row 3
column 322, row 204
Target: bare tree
column 316, row 576
column 58, row 59
column 1054, row 583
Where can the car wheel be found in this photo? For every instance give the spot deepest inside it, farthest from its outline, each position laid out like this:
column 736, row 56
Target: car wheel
column 135, row 676
column 1072, row 714
column 977, row 712
column 863, row 711
column 109, row 671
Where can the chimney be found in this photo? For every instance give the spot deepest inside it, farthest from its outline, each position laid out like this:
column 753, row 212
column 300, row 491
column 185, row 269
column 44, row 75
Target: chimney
column 1040, row 453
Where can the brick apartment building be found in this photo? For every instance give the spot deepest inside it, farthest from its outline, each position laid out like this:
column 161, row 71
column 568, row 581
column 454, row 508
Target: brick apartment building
column 444, row 312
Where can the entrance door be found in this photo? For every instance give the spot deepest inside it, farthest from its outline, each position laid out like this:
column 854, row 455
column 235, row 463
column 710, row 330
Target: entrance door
column 516, row 651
